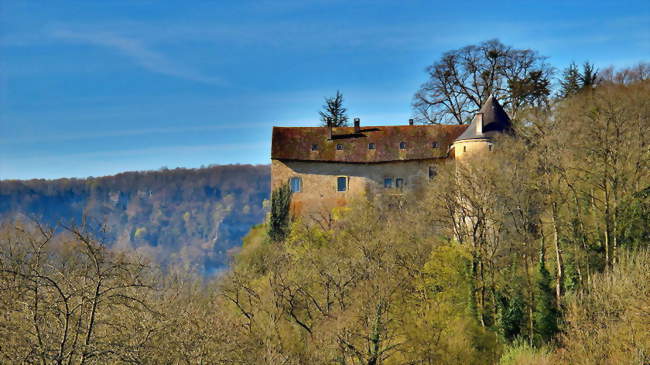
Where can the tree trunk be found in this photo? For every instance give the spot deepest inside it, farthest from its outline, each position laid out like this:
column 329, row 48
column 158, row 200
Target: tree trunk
column 558, row 255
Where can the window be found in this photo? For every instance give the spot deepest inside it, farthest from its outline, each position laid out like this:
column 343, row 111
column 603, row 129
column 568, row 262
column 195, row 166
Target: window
column 314, row 147
column 432, row 172
column 388, row 182
column 371, row 146
column 399, row 183
column 464, row 148
column 434, row 144
column 341, row 183
column 296, row 184
column 489, row 147
column 339, row 147
column 402, row 145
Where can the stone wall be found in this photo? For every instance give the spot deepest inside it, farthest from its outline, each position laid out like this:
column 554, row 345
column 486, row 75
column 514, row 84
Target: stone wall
column 463, row 149
column 319, row 194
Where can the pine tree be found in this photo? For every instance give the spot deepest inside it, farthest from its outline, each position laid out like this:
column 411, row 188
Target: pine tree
column 510, row 314
column 571, row 81
column 589, row 76
column 280, row 213
column 333, row 108
column 546, row 313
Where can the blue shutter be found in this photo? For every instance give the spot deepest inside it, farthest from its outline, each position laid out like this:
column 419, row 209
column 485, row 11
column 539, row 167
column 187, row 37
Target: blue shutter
column 296, row 184
column 341, row 183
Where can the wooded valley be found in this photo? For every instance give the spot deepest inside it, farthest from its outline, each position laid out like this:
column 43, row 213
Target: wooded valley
column 191, row 217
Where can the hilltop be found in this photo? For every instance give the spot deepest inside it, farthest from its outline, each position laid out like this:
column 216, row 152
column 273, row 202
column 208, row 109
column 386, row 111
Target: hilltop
column 189, row 216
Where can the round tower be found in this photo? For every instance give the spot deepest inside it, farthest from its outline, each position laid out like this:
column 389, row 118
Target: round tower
column 490, row 121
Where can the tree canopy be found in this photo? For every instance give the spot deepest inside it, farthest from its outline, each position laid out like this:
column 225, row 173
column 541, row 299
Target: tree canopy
column 461, row 80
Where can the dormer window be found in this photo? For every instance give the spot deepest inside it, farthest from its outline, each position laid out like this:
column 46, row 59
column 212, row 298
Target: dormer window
column 434, row 144
column 371, row 146
column 339, row 147
column 314, row 147
column 402, row 145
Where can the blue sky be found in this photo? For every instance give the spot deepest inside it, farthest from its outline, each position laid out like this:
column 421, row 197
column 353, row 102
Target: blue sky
column 93, row 87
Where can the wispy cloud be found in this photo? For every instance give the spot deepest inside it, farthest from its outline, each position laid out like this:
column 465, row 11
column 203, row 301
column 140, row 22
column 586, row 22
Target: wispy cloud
column 174, row 150
column 72, row 136
column 138, row 52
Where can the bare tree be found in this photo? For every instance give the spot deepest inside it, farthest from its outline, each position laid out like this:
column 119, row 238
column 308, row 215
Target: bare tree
column 461, row 81
column 630, row 75
column 70, row 297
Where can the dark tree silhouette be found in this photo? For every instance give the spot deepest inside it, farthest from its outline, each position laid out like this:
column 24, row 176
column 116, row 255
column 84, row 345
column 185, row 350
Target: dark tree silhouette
column 546, row 311
column 589, row 77
column 462, row 80
column 333, row 108
column 280, row 213
column 571, row 83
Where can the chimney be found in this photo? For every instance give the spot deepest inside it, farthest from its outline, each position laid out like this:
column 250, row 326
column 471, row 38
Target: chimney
column 479, row 123
column 357, row 125
column 410, row 121
column 329, row 128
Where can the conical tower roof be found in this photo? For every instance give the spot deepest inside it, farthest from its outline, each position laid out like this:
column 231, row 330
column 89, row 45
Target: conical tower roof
column 495, row 120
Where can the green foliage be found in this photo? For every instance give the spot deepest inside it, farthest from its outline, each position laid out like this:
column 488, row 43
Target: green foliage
column 280, row 213
column 511, row 314
column 570, row 84
column 448, row 332
column 546, row 312
column 634, row 218
column 255, row 252
column 520, row 352
column 573, row 81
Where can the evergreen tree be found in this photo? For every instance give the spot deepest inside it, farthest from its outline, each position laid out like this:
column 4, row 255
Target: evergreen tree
column 333, row 108
column 546, row 314
column 511, row 311
column 280, row 214
column 571, row 81
column 589, row 76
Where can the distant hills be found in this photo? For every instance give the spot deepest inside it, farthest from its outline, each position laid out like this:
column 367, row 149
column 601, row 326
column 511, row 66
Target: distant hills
column 188, row 216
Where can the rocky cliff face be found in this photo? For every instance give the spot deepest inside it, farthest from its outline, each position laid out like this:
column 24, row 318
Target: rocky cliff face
column 188, row 216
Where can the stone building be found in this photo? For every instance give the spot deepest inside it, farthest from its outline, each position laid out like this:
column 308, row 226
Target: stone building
column 327, row 166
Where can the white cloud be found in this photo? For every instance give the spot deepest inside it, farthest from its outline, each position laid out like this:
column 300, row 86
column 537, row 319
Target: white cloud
column 138, row 52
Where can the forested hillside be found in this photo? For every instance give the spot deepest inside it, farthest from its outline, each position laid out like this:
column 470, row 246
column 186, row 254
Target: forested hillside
column 534, row 254
column 191, row 216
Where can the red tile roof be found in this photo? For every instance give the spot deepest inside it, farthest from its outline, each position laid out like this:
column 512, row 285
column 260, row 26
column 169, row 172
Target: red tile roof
column 295, row 143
